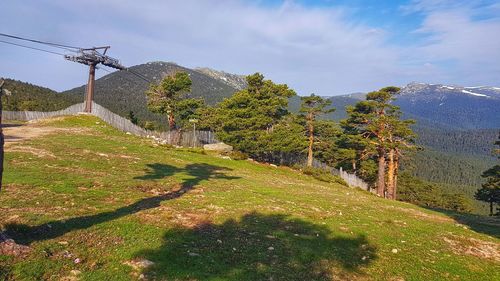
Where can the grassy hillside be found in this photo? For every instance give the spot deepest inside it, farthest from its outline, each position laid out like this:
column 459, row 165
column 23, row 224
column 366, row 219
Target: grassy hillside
column 95, row 204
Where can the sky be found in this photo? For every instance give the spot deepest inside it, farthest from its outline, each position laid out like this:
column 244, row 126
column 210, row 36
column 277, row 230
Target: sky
column 324, row 47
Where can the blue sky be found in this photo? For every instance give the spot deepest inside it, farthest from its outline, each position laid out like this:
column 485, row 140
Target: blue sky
column 324, row 46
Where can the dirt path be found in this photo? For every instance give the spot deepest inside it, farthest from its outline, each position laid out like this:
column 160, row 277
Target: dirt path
column 24, row 131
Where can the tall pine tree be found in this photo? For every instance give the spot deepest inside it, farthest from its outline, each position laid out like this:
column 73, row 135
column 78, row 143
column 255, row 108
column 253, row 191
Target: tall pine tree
column 164, row 96
column 245, row 119
column 312, row 107
column 374, row 128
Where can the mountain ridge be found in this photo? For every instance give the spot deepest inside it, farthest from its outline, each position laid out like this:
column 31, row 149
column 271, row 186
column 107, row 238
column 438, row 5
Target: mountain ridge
column 432, row 105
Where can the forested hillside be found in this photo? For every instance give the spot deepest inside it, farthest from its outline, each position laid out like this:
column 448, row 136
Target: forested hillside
column 474, row 142
column 122, row 92
column 26, row 96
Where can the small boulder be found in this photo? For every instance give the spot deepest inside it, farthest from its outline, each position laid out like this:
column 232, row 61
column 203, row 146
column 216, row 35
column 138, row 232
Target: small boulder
column 139, row 264
column 9, row 247
column 218, row 147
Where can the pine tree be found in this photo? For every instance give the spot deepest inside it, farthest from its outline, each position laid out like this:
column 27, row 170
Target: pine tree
column 164, row 96
column 374, row 129
column 245, row 119
column 312, row 107
column 401, row 138
column 490, row 190
column 189, row 109
column 131, row 116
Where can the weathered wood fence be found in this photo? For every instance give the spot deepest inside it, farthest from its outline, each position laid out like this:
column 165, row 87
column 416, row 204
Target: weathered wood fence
column 35, row 115
column 291, row 159
column 186, row 138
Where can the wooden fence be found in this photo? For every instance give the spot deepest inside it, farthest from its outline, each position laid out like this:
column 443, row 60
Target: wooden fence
column 351, row 179
column 188, row 138
column 291, row 159
column 35, row 115
column 179, row 138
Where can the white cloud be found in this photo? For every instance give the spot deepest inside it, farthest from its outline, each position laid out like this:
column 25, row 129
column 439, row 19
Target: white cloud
column 322, row 50
column 463, row 36
column 311, row 49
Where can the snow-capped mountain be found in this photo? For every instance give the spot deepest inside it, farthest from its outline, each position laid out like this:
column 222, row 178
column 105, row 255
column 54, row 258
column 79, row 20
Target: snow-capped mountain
column 438, row 91
column 452, row 106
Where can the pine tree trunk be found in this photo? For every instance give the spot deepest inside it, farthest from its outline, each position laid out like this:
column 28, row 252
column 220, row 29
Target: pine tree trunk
column 491, row 207
column 381, row 172
column 179, row 137
column 396, row 172
column 390, row 175
column 311, row 142
column 171, row 121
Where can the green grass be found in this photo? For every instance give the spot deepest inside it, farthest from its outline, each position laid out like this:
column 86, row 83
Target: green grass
column 108, row 198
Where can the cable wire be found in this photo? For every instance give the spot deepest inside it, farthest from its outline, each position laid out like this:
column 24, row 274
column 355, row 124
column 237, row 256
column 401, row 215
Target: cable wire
column 138, row 75
column 62, row 46
column 120, row 76
column 41, row 42
column 33, row 48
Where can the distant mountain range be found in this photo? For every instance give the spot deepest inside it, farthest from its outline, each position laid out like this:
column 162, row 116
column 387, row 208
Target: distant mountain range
column 457, row 125
column 452, row 106
column 432, row 105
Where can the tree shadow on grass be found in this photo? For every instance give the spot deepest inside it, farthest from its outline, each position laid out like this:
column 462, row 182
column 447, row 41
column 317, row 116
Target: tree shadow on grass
column 478, row 223
column 25, row 234
column 258, row 247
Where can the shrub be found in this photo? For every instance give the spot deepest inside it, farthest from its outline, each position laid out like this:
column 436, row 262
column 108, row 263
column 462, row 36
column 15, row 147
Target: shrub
column 236, row 155
column 197, row 150
column 323, row 175
column 148, row 125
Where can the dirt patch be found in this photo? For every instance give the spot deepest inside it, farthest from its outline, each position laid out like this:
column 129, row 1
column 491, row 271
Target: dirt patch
column 473, row 247
column 9, row 247
column 23, row 132
column 19, row 132
column 422, row 215
column 190, row 220
column 42, row 153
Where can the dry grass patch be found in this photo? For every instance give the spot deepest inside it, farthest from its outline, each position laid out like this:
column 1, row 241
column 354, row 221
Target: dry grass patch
column 474, row 247
column 41, row 153
column 421, row 215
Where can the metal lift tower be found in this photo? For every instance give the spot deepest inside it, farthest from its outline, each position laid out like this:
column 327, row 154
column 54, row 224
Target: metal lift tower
column 92, row 57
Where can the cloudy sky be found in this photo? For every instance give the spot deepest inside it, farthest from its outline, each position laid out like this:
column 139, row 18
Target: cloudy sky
column 325, row 47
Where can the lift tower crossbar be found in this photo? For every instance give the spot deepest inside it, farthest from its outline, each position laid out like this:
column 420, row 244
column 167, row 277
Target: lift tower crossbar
column 92, row 57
